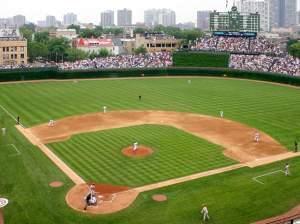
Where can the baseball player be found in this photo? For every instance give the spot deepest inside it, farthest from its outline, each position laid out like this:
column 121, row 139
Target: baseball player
column 104, row 109
column 221, row 113
column 18, row 120
column 296, row 146
column 287, row 169
column 51, row 123
column 204, row 212
column 256, row 137
column 3, row 131
column 140, row 98
column 189, row 81
column 135, row 146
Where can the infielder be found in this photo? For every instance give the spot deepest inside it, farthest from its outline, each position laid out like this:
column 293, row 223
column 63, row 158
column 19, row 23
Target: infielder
column 256, row 137
column 221, row 113
column 296, row 146
column 204, row 211
column 287, row 169
column 104, row 109
column 51, row 123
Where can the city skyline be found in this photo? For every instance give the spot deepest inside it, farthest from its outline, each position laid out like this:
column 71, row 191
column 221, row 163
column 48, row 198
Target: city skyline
column 91, row 12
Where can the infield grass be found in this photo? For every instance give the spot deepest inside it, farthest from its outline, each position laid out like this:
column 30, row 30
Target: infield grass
column 97, row 156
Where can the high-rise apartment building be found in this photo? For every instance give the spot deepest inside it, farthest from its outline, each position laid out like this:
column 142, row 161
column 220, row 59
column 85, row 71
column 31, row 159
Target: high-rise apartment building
column 107, row 18
column 165, row 17
column 124, row 17
column 50, row 21
column 19, row 20
column 283, row 13
column 70, row 19
column 203, row 20
column 262, row 7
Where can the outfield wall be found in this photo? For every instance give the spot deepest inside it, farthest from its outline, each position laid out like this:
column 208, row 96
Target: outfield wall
column 54, row 73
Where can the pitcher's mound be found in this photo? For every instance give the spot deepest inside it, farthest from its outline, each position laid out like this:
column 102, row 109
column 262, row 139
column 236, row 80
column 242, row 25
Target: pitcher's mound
column 159, row 197
column 56, row 184
column 141, row 152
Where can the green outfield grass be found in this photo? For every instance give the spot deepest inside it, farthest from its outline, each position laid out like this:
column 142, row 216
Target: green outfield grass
column 273, row 109
column 98, row 157
column 231, row 197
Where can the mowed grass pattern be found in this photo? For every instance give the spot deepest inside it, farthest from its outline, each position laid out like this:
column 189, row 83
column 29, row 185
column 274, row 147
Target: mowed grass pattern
column 97, row 156
column 270, row 108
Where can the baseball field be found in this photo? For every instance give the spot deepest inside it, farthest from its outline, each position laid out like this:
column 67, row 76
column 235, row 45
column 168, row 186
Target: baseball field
column 178, row 120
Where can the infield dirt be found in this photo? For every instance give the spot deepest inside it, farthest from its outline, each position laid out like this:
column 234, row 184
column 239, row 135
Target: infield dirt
column 236, row 138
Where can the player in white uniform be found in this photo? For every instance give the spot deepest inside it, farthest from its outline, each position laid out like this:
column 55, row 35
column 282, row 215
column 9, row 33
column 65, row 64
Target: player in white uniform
column 51, row 123
column 221, row 113
column 287, row 169
column 3, row 131
column 256, row 137
column 135, row 146
column 204, row 212
column 104, row 109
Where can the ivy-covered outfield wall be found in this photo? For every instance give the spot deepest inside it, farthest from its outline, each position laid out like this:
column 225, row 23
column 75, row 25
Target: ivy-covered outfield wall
column 54, row 73
column 200, row 59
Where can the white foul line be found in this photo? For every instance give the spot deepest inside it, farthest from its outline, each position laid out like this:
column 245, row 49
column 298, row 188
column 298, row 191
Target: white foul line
column 14, row 147
column 9, row 114
column 267, row 174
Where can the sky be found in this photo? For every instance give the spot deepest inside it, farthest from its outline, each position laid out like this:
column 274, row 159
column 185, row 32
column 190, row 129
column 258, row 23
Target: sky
column 89, row 11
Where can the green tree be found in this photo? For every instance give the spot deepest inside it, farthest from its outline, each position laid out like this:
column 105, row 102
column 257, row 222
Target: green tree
column 103, row 53
column 37, row 49
column 57, row 48
column 73, row 54
column 140, row 30
column 42, row 37
column 294, row 49
column 89, row 33
column 76, row 27
column 140, row 50
column 27, row 33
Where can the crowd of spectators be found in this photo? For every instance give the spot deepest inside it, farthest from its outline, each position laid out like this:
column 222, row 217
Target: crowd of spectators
column 245, row 45
column 285, row 65
column 150, row 60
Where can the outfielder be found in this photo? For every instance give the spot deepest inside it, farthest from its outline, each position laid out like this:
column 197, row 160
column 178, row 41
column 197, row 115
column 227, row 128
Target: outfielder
column 204, row 211
column 287, row 169
column 3, row 131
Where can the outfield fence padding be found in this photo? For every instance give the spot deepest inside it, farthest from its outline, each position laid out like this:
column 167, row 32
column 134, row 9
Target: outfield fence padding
column 54, row 73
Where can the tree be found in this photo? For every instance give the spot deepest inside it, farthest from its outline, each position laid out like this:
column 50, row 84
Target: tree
column 140, row 50
column 27, row 33
column 294, row 49
column 37, row 49
column 57, row 48
column 42, row 37
column 76, row 27
column 140, row 30
column 73, row 54
column 103, row 53
column 89, row 33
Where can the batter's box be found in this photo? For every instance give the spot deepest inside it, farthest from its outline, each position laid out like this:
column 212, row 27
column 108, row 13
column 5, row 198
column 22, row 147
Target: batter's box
column 262, row 179
column 12, row 150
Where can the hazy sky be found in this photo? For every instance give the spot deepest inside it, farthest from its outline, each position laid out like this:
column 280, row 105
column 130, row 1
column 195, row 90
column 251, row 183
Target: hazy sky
column 89, row 11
